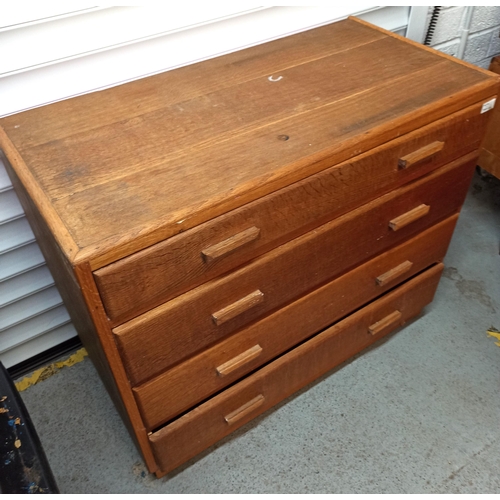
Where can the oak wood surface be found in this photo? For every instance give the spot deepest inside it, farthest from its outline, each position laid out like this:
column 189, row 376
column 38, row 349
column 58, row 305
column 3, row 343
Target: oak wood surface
column 409, row 217
column 207, row 120
column 145, row 168
column 115, row 369
column 194, row 80
column 490, row 162
column 495, row 65
column 489, row 158
column 179, row 328
column 386, row 324
column 239, row 360
column 420, row 155
column 394, row 273
column 78, row 291
column 231, row 244
column 419, row 45
column 188, row 383
column 238, row 307
column 146, row 279
column 133, row 216
column 51, row 218
column 244, row 410
column 203, row 426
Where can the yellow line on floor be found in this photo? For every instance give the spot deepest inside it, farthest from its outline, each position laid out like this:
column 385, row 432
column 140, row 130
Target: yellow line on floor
column 49, row 370
column 493, row 332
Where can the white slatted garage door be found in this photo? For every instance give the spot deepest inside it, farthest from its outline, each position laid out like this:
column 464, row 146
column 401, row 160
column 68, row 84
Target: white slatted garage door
column 49, row 54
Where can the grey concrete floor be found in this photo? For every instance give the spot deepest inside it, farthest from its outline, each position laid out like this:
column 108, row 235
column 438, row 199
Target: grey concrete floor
column 417, row 413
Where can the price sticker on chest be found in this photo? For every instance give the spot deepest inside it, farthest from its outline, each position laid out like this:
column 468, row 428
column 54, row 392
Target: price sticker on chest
column 488, row 105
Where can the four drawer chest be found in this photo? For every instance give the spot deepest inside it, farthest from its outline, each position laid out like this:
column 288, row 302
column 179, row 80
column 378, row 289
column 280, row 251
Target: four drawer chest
column 227, row 232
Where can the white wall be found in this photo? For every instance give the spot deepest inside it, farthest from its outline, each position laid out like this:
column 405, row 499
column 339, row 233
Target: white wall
column 483, row 42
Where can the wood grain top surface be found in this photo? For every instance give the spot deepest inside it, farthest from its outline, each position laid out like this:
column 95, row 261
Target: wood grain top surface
column 117, row 170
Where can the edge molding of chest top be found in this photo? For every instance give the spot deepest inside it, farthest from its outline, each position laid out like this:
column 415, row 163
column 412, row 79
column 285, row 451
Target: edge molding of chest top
column 224, row 233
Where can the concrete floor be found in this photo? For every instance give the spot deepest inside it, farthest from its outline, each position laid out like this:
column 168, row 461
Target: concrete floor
column 417, row 413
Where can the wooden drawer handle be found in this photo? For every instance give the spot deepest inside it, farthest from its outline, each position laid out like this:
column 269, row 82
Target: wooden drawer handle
column 409, row 217
column 238, row 361
column 230, row 245
column 238, row 307
column 389, row 321
column 394, row 273
column 420, row 155
column 244, row 410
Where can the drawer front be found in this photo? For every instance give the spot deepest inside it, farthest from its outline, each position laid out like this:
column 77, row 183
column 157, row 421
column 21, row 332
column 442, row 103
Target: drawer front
column 144, row 280
column 152, row 342
column 226, row 412
column 185, row 385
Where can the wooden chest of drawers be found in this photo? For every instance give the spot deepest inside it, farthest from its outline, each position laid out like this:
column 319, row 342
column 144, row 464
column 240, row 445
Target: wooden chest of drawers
column 225, row 233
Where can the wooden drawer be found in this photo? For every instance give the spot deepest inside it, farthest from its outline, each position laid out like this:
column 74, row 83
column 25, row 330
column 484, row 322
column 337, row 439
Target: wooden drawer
column 193, row 381
column 226, row 412
column 174, row 331
column 163, row 271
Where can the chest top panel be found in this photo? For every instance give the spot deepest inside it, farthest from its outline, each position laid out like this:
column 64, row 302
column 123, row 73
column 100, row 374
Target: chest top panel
column 118, row 170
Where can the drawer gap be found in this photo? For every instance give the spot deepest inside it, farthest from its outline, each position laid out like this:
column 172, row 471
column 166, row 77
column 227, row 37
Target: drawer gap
column 386, row 292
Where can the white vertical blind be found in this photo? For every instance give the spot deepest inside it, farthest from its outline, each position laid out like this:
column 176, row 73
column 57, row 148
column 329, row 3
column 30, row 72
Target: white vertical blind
column 52, row 53
column 32, row 317
column 14, row 234
column 26, row 258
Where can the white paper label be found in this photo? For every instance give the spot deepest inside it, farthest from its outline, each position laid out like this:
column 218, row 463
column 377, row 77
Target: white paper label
column 488, row 105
